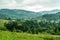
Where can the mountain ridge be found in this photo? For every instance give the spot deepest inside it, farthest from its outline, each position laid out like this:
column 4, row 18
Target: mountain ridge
column 18, row 13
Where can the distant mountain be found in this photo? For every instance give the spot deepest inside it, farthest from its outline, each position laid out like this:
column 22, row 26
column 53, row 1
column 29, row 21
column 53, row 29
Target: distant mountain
column 16, row 13
column 24, row 14
column 52, row 16
column 3, row 16
column 50, row 12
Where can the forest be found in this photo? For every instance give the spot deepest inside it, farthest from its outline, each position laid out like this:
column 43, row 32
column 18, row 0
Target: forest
column 34, row 26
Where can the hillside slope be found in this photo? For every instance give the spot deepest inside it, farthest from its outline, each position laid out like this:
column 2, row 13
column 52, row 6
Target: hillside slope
column 52, row 16
column 16, row 13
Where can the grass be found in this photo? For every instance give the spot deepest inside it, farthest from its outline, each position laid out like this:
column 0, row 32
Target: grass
column 2, row 27
column 5, row 35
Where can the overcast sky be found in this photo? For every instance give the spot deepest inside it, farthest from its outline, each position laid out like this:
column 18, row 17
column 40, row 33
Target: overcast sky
column 32, row 5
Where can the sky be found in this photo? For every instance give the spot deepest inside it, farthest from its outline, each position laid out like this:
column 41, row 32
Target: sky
column 31, row 5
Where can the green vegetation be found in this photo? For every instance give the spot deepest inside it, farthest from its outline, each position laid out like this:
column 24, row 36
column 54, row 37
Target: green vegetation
column 34, row 26
column 29, row 30
column 5, row 35
column 2, row 27
column 27, row 25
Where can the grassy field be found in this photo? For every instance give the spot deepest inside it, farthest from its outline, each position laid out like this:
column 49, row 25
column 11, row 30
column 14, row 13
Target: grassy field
column 2, row 24
column 5, row 35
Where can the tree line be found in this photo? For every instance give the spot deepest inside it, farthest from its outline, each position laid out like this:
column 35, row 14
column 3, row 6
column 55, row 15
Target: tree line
column 34, row 26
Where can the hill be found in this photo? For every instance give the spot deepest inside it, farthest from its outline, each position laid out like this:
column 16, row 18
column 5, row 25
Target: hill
column 52, row 16
column 24, row 14
column 3, row 16
column 18, row 14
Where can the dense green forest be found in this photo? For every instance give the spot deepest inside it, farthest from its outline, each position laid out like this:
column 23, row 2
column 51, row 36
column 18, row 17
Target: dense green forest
column 32, row 26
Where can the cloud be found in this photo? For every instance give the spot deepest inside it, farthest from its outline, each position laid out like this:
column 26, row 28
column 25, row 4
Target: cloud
column 7, row 3
column 32, row 5
column 33, row 8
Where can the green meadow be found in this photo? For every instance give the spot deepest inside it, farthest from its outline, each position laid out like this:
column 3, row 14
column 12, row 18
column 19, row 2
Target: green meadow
column 5, row 35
